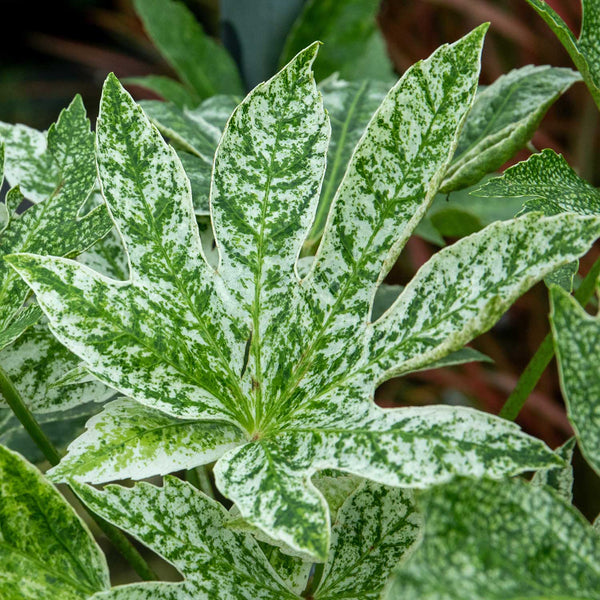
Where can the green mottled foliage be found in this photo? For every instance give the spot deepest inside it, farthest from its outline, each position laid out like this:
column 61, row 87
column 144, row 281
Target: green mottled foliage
column 54, row 225
column 46, row 552
column 500, row 540
column 577, row 342
column 271, row 373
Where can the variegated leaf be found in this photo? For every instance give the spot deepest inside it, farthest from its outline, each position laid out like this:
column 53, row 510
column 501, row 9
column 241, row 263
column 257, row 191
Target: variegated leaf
column 577, row 343
column 585, row 51
column 504, row 540
column 187, row 529
column 203, row 65
column 294, row 362
column 503, row 118
column 375, row 529
column 36, row 362
column 28, row 162
column 128, row 439
column 559, row 477
column 46, row 551
column 54, row 226
column 551, row 185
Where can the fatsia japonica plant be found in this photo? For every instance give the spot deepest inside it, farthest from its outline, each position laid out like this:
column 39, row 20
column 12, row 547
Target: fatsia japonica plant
column 241, row 348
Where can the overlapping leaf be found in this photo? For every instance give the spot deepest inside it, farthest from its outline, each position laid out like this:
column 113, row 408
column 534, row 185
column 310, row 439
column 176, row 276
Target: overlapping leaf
column 500, row 540
column 204, row 66
column 53, row 225
column 503, row 118
column 585, row 51
column 46, row 551
column 290, row 364
column 551, row 185
column 376, row 526
column 577, row 342
column 559, row 477
column 353, row 45
column 28, row 162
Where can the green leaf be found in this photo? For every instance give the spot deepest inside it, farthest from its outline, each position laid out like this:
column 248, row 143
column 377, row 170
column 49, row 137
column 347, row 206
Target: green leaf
column 551, row 185
column 54, row 225
column 128, row 439
column 28, row 162
column 504, row 540
column 346, row 30
column 167, row 88
column 46, row 551
column 559, row 478
column 375, row 528
column 187, row 529
column 292, row 362
column 585, row 51
column 350, row 106
column 202, row 64
column 504, row 117
column 577, row 343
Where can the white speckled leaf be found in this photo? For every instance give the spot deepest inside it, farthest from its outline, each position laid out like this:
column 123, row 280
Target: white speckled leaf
column 294, row 362
column 489, row 270
column 585, row 51
column 46, row 551
column 505, row 540
column 129, row 440
column 53, row 226
column 188, row 530
column 375, row 529
column 22, row 320
column 503, row 118
column 577, row 343
column 36, row 362
column 550, row 183
column 27, row 162
column 559, row 477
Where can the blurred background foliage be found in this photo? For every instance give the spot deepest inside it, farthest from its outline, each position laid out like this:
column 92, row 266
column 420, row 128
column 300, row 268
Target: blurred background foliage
column 51, row 50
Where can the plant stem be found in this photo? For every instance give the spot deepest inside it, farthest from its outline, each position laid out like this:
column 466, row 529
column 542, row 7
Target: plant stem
column 21, row 411
column 200, row 479
column 540, row 360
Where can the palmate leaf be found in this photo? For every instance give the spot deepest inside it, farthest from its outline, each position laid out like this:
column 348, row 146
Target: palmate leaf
column 291, row 365
column 203, row 65
column 375, row 527
column 585, row 51
column 577, row 342
column 504, row 117
column 54, row 225
column 46, row 551
column 500, row 541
